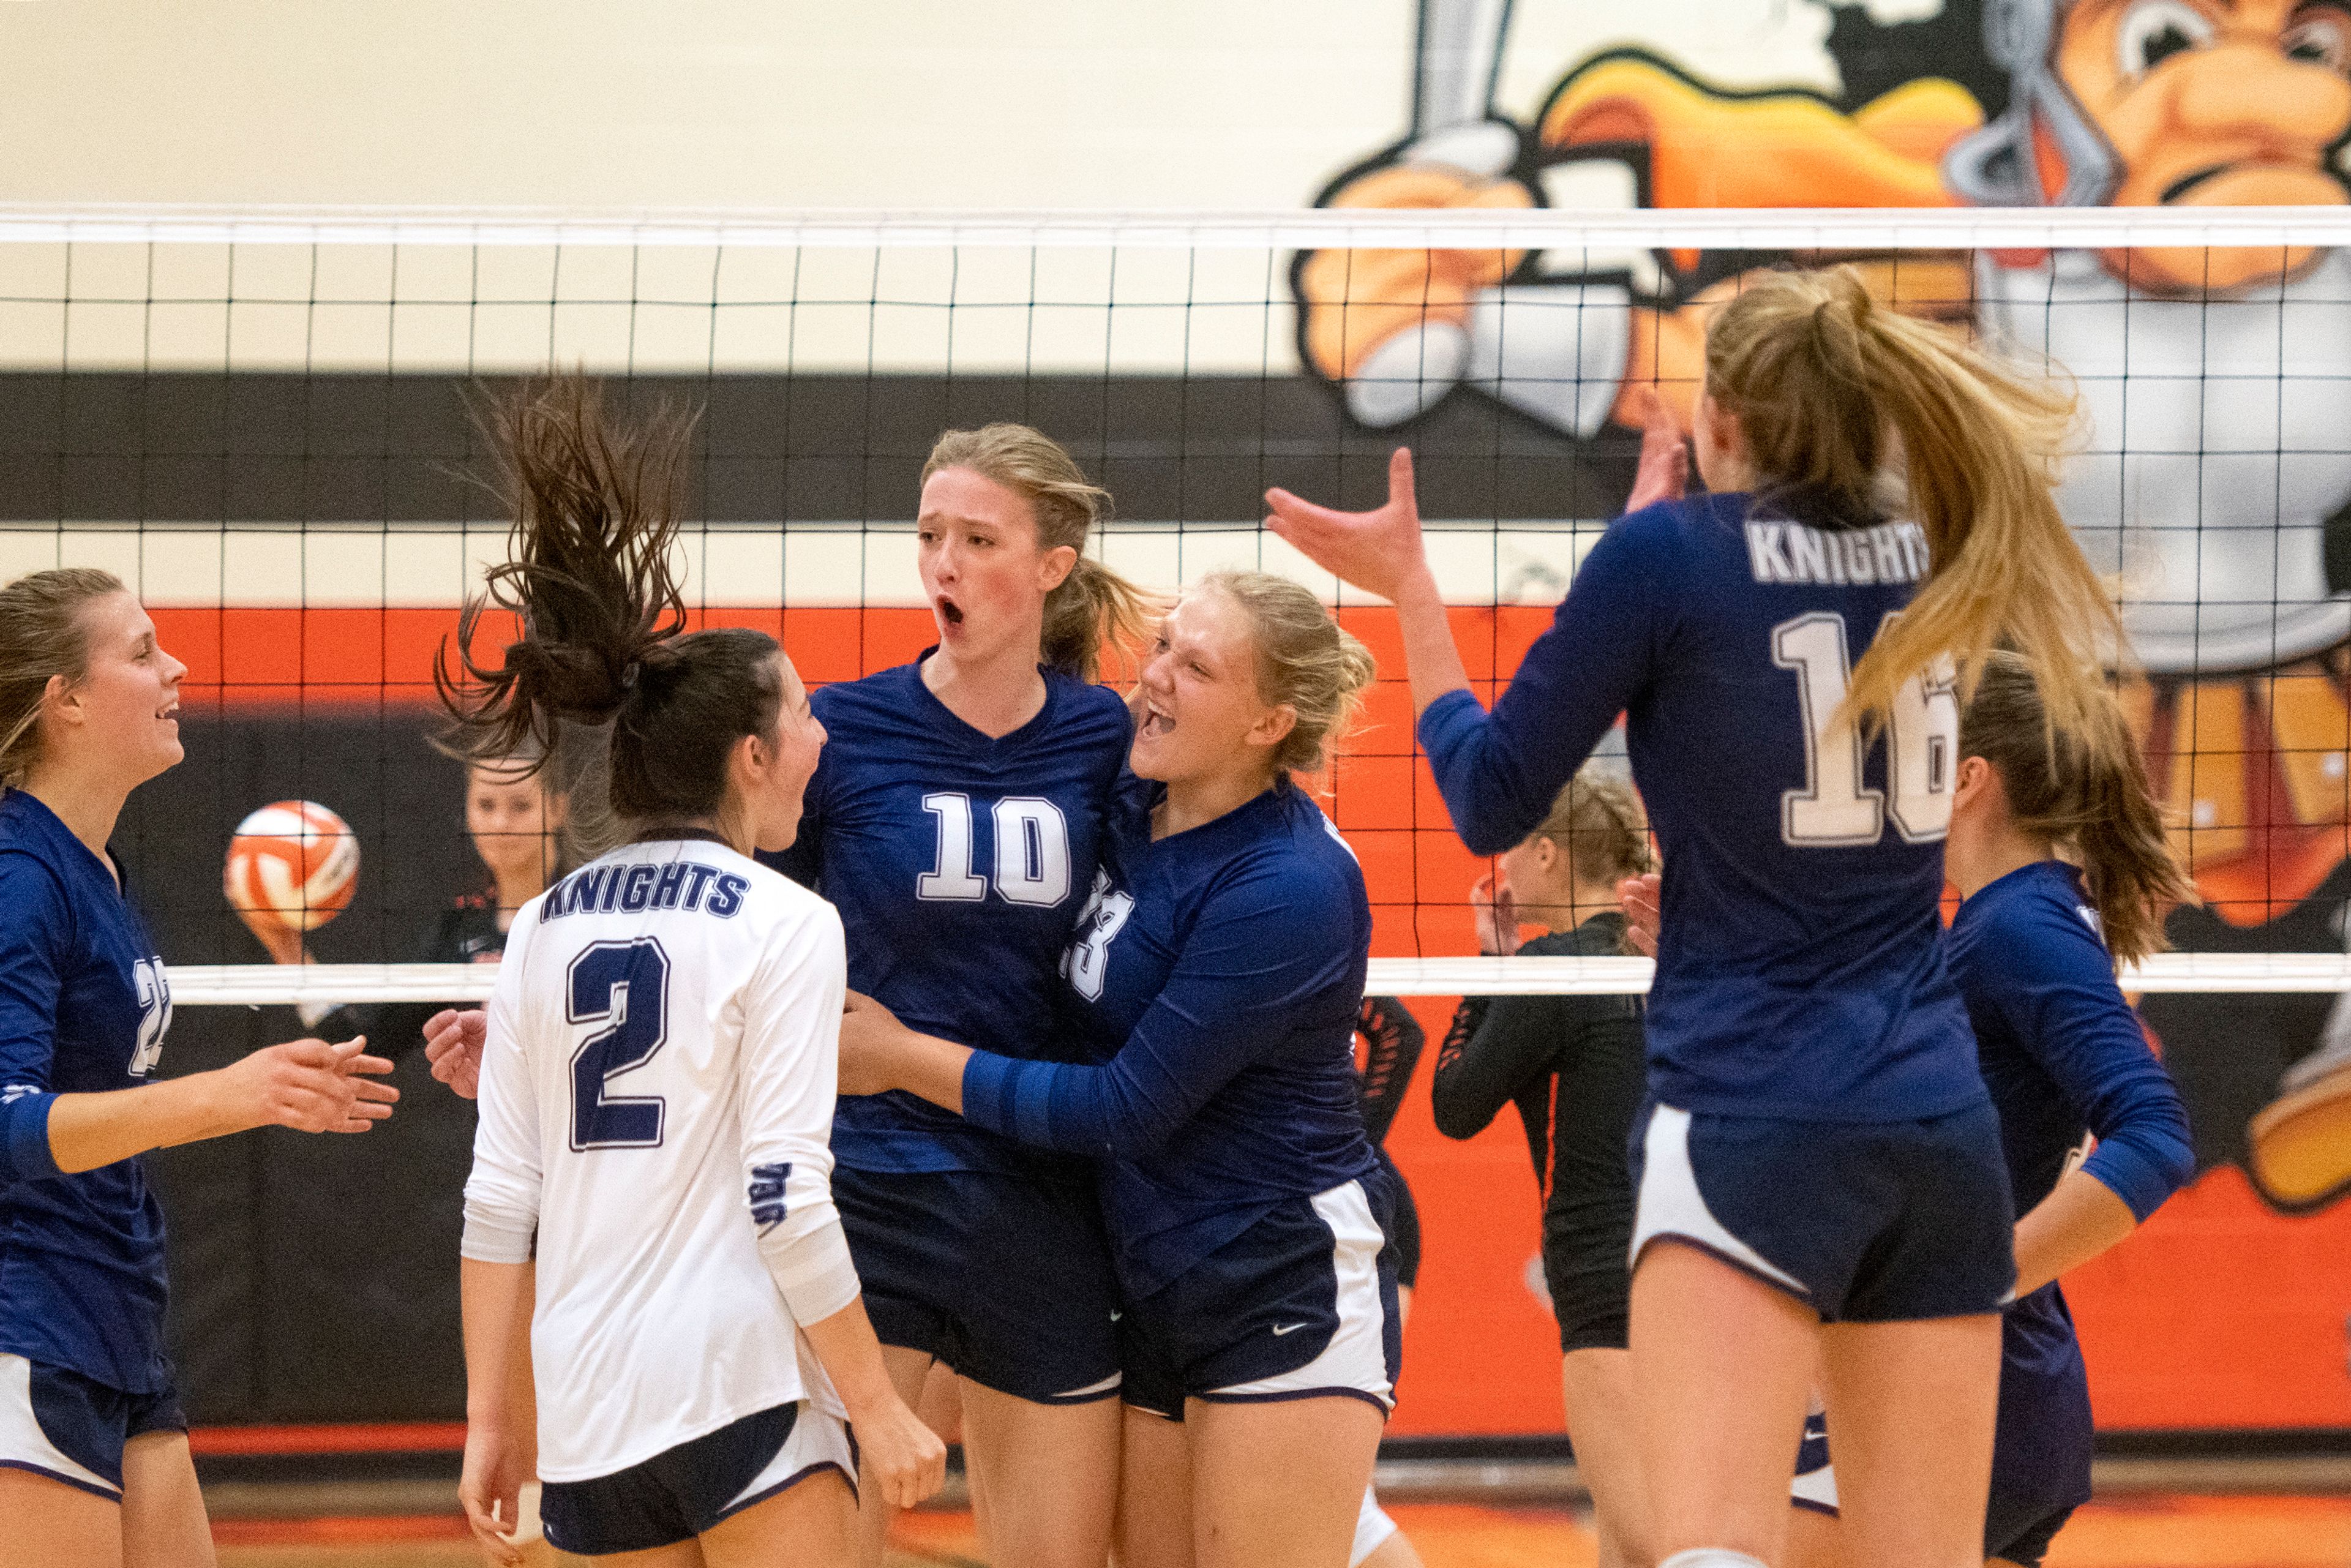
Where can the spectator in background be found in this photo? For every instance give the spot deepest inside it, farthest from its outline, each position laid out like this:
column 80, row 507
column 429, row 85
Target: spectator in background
column 1572, row 1065
column 518, row 820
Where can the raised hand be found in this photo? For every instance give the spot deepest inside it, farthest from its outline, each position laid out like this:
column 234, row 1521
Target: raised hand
column 1664, row 473
column 452, row 1044
column 1638, row 898
column 1497, row 911
column 1379, row 551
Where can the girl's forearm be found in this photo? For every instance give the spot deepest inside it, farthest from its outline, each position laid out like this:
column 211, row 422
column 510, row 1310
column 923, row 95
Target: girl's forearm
column 495, row 1300
column 1429, row 655
column 2080, row 1218
column 86, row 1131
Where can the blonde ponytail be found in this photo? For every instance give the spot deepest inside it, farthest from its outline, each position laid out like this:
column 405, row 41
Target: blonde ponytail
column 1831, row 389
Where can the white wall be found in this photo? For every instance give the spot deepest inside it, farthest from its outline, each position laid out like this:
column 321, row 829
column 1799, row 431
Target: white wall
column 1065, row 103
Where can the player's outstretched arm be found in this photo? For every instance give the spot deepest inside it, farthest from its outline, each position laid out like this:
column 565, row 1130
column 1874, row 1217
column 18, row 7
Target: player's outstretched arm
column 1383, row 552
column 305, row 1084
column 896, row 1453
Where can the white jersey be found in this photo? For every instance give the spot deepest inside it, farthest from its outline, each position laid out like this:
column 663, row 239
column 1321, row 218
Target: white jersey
column 657, row 1091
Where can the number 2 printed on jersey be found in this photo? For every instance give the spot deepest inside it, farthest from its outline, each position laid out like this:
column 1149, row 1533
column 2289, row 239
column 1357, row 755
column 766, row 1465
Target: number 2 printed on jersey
column 625, row 986
column 1834, row 807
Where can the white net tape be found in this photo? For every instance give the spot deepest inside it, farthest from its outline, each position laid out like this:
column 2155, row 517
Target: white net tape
column 263, row 985
column 1709, row 228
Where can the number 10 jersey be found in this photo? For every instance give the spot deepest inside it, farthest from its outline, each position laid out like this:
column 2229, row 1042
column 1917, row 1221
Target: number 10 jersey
column 959, row 863
column 1800, row 972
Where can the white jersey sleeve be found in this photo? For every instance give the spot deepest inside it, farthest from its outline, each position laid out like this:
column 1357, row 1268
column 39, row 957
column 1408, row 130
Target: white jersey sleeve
column 502, row 1195
column 790, row 1064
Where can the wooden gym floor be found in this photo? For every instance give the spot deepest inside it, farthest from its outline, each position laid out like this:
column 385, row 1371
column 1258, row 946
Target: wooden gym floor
column 2140, row 1530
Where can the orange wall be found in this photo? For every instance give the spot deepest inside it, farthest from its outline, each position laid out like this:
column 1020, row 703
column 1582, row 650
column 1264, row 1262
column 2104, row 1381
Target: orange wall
column 2218, row 1314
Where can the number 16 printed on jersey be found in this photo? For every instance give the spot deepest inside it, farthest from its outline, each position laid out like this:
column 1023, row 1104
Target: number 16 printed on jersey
column 1835, row 808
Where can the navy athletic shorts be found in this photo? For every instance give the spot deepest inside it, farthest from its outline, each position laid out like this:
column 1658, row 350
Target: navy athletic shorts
column 1005, row 1278
column 1863, row 1222
column 71, row 1429
column 1301, row 1305
column 2040, row 1449
column 681, row 1492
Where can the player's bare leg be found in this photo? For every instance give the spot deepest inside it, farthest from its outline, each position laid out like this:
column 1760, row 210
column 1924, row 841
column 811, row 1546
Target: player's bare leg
column 811, row 1525
column 1395, row 1552
column 163, row 1522
column 1044, row 1477
column 1816, row 1540
column 1155, row 1493
column 684, row 1555
column 53, row 1525
column 1913, row 1404
column 1722, row 1369
column 1279, row 1482
column 908, row 1370
column 1596, row 1388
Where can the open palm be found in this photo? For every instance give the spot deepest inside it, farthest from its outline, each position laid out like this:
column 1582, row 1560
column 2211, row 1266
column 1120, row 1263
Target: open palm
column 1378, row 551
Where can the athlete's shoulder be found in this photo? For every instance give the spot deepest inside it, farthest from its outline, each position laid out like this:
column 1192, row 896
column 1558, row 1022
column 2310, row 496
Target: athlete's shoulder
column 788, row 900
column 1088, row 702
column 1311, row 854
column 884, row 691
column 2033, row 927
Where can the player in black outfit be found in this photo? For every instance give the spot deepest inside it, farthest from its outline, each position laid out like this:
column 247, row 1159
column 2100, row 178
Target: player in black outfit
column 1393, row 1039
column 1573, row 1066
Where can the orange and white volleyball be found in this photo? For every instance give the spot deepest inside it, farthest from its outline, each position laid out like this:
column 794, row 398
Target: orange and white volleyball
column 295, row 864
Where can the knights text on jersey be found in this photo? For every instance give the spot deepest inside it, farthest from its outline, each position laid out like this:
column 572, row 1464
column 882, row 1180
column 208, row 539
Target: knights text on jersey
column 84, row 1006
column 1801, row 970
column 1216, row 978
column 959, row 864
column 657, row 1087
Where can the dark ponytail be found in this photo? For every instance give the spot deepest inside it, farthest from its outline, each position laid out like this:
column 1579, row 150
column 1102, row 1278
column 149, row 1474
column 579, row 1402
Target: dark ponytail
column 2084, row 787
column 591, row 579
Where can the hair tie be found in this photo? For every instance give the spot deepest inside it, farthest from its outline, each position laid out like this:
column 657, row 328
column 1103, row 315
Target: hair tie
column 629, row 672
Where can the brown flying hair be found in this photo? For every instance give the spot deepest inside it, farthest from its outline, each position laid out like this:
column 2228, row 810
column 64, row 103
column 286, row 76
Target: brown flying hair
column 596, row 507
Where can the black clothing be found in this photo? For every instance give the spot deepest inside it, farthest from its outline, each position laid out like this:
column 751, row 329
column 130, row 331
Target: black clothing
column 1392, row 1039
column 1573, row 1066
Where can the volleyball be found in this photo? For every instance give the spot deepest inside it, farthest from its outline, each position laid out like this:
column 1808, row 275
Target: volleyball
column 294, row 862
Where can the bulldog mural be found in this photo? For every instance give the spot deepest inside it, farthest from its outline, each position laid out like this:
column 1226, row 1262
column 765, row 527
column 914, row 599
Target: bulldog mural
column 2215, row 483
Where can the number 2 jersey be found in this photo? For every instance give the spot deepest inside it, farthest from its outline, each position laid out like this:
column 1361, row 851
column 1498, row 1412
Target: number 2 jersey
column 1800, row 969
column 657, row 1084
column 959, row 863
column 84, row 1006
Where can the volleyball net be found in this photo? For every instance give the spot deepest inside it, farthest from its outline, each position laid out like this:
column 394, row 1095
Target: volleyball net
column 260, row 420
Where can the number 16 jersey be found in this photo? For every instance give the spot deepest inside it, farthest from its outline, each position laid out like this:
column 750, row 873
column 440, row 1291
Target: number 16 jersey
column 1800, row 968
column 959, row 863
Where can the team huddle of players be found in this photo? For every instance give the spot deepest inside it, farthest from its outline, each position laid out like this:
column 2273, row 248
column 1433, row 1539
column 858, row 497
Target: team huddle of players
column 974, row 1014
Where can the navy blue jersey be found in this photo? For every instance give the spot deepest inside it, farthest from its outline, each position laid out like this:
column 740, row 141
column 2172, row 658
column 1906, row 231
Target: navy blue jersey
column 1217, row 978
column 1799, row 965
column 959, row 865
column 83, row 1009
column 2063, row 1053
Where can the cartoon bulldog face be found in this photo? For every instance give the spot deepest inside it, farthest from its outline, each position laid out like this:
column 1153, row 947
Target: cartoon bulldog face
column 2207, row 103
